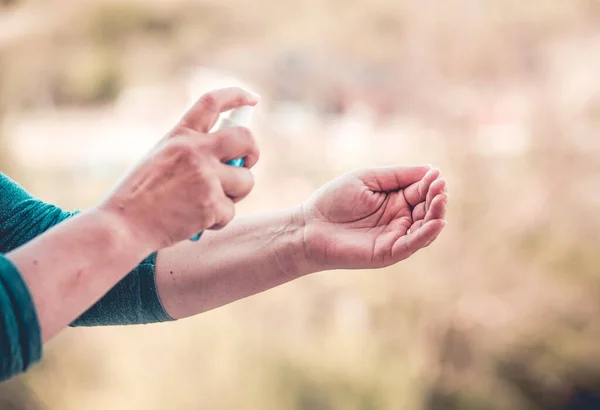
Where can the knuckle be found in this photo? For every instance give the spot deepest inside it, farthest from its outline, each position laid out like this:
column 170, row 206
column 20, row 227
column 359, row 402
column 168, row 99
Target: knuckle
column 208, row 193
column 245, row 134
column 241, row 98
column 202, row 175
column 211, row 199
column 182, row 149
column 208, row 220
column 203, row 167
column 220, row 141
column 208, row 213
column 180, row 130
column 226, row 135
column 205, row 147
column 228, row 212
column 208, row 101
column 235, row 137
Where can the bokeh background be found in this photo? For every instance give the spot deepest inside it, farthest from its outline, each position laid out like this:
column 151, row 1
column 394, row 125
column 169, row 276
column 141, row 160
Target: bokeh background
column 503, row 312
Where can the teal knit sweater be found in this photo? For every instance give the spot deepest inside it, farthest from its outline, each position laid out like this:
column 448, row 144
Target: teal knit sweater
column 134, row 300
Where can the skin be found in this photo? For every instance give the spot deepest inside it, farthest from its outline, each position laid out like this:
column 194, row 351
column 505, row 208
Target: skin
column 364, row 219
column 359, row 220
column 181, row 187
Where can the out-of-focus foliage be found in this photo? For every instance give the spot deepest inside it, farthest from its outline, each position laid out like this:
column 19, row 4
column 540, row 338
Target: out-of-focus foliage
column 504, row 96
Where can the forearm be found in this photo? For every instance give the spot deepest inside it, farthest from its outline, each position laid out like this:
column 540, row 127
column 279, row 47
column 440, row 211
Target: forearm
column 71, row 266
column 249, row 256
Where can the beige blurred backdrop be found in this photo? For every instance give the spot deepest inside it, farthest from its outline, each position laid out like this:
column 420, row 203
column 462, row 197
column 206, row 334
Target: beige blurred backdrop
column 502, row 312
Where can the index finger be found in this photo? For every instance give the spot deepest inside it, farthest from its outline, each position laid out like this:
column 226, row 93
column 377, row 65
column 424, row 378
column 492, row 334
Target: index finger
column 205, row 112
column 417, row 192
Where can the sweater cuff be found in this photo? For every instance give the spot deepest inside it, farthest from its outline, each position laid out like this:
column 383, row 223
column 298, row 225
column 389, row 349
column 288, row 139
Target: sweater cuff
column 20, row 333
column 134, row 300
column 154, row 305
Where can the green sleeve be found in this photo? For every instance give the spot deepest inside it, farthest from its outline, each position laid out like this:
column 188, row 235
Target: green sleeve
column 20, row 336
column 134, row 300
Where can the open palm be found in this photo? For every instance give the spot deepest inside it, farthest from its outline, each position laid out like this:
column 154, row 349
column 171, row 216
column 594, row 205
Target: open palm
column 374, row 218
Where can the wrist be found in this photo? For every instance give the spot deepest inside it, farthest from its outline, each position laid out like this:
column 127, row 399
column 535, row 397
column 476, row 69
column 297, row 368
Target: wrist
column 122, row 233
column 292, row 256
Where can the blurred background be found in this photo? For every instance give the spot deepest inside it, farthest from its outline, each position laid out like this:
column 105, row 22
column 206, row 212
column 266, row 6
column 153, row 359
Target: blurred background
column 503, row 312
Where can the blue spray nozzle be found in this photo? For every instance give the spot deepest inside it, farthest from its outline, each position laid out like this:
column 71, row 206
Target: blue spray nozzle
column 236, row 162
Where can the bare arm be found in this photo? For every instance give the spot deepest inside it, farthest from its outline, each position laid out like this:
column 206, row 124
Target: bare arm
column 250, row 255
column 74, row 264
column 181, row 187
column 357, row 231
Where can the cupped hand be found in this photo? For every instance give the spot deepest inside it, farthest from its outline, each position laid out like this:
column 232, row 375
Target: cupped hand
column 373, row 218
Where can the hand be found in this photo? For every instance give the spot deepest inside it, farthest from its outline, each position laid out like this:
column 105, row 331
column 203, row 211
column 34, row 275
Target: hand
column 373, row 218
column 183, row 186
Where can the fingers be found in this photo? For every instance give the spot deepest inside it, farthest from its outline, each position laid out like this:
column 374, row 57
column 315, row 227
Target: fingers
column 237, row 182
column 419, row 212
column 205, row 112
column 428, row 187
column 436, row 188
column 409, row 244
column 437, row 210
column 417, row 192
column 434, row 237
column 225, row 215
column 392, row 178
column 236, row 142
